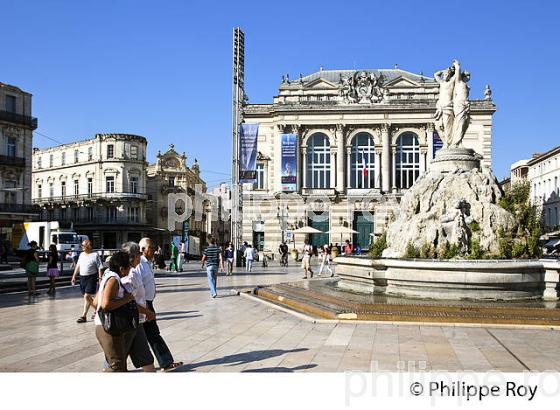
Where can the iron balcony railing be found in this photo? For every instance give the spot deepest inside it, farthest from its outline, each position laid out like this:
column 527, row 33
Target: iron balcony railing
column 14, row 118
column 90, row 197
column 12, row 160
column 18, row 208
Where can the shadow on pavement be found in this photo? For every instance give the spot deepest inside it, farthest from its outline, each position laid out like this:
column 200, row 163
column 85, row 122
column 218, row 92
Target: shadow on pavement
column 240, row 358
column 281, row 369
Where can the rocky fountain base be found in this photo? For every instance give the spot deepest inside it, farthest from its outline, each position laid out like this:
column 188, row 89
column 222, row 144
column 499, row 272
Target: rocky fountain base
column 453, row 207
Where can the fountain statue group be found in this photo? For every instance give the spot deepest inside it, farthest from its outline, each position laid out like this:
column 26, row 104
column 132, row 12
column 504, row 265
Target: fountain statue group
column 454, row 194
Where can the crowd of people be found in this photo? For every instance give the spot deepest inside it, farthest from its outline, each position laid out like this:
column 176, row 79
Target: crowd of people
column 127, row 277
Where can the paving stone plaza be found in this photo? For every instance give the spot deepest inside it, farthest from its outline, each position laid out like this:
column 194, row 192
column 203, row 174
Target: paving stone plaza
column 236, row 334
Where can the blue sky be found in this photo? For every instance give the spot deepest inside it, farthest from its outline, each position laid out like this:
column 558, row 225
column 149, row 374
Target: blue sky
column 162, row 69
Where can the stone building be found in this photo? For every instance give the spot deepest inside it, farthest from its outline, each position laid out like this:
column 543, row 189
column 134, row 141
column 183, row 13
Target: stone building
column 99, row 184
column 543, row 173
column 363, row 139
column 16, row 142
column 171, row 175
column 219, row 215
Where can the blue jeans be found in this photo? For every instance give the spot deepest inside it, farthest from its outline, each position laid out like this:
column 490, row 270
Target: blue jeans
column 212, row 272
column 249, row 266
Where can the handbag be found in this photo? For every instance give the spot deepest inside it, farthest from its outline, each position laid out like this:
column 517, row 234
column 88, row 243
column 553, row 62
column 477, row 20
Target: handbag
column 120, row 320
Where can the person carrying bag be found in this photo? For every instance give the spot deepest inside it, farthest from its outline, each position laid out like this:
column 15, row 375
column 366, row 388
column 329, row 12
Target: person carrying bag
column 116, row 317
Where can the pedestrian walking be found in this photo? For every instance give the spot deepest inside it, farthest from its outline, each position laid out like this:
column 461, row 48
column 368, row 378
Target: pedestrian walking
column 139, row 348
column 243, row 249
column 229, row 256
column 180, row 253
column 3, row 253
column 30, row 263
column 158, row 345
column 212, row 257
column 90, row 268
column 283, row 251
column 73, row 257
column 111, row 296
column 249, row 256
column 306, row 260
column 52, row 269
column 326, row 261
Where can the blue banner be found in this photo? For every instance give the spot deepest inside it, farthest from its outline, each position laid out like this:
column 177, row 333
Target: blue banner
column 248, row 152
column 289, row 162
column 437, row 143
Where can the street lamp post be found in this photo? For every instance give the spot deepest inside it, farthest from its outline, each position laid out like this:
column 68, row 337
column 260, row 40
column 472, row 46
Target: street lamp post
column 282, row 216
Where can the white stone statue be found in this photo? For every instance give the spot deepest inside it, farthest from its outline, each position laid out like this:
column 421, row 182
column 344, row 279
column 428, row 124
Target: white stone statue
column 461, row 105
column 444, row 104
column 455, row 225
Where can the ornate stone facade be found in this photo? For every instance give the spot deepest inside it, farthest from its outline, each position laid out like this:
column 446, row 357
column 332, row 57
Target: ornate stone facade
column 364, row 138
column 170, row 174
column 99, row 184
column 16, row 140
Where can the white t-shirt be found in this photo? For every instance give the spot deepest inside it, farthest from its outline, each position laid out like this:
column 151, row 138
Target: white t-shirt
column 147, row 275
column 108, row 274
column 133, row 284
column 89, row 263
column 249, row 254
column 307, row 249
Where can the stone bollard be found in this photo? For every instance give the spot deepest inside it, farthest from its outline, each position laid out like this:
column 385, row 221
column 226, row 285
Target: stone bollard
column 551, row 280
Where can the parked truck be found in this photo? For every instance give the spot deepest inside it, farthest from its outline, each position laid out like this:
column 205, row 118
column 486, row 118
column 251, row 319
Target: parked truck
column 61, row 234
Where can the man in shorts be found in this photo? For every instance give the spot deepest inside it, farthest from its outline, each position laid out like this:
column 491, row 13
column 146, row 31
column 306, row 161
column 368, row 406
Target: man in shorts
column 90, row 268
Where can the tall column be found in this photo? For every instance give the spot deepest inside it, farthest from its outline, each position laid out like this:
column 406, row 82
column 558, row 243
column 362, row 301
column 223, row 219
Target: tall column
column 377, row 182
column 303, row 172
column 340, row 181
column 430, row 142
column 423, row 154
column 394, row 167
column 332, row 173
column 348, row 166
column 385, row 157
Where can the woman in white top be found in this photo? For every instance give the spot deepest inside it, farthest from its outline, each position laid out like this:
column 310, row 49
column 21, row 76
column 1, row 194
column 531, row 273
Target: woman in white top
column 326, row 260
column 112, row 295
column 306, row 260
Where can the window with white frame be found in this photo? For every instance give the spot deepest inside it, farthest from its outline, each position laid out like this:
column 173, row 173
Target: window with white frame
column 134, row 152
column 39, row 162
column 39, row 191
column 260, row 181
column 110, row 184
column 63, row 188
column 90, row 153
column 134, row 184
column 51, row 190
column 76, row 187
column 11, row 147
column 90, row 186
column 171, row 181
column 76, row 156
column 63, row 158
column 362, row 162
column 318, row 162
column 51, row 160
column 110, row 151
column 407, row 165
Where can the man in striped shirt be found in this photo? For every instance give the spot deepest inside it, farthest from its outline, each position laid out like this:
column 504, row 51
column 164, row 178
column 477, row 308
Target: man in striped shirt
column 213, row 259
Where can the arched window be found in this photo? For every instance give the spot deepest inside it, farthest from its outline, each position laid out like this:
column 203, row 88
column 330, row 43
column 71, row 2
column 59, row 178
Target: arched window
column 408, row 160
column 318, row 162
column 362, row 162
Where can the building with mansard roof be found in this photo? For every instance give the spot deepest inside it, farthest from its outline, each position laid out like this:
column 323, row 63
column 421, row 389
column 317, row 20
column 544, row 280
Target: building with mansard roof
column 363, row 138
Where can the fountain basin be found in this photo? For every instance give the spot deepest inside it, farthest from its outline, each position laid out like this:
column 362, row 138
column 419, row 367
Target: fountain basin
column 451, row 279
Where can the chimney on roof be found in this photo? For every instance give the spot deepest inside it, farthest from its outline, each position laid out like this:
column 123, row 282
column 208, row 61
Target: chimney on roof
column 536, row 155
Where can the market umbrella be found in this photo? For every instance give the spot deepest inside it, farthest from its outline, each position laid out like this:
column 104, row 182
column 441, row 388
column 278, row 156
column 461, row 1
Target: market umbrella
column 305, row 230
